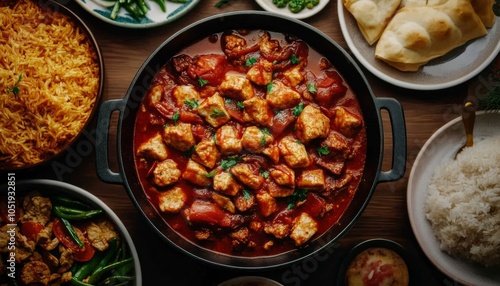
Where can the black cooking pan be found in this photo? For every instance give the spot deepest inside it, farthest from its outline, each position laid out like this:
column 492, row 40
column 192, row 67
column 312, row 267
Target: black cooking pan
column 347, row 67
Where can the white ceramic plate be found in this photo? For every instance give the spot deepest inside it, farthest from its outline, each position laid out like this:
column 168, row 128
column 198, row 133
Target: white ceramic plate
column 441, row 147
column 155, row 17
column 449, row 70
column 305, row 13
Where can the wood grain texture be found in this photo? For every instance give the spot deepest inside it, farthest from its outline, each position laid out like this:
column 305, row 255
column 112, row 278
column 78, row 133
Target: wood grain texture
column 125, row 50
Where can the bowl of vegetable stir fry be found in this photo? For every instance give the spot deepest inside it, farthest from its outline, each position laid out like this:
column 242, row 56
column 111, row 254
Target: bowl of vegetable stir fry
column 138, row 14
column 63, row 235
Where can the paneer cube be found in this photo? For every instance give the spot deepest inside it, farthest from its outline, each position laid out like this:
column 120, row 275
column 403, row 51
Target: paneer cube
column 183, row 93
column 281, row 96
column 179, row 136
column 278, row 229
column 196, row 174
column 347, row 122
column 247, row 175
column 258, row 110
column 224, row 202
column 154, row 148
column 228, row 140
column 224, row 183
column 244, row 201
column 279, row 191
column 338, row 145
column 237, row 87
column 267, row 204
column 166, row 173
column 294, row 152
column 293, row 75
column 206, row 153
column 172, row 201
column 214, row 111
column 313, row 180
column 155, row 94
column 304, row 227
column 273, row 152
column 261, row 73
column 255, row 139
column 283, row 175
column 312, row 124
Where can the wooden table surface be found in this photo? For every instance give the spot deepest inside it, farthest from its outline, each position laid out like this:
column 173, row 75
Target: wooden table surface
column 386, row 216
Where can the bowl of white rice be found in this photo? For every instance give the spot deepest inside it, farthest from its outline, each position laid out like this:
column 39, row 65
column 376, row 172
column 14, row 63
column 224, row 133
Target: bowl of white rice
column 454, row 203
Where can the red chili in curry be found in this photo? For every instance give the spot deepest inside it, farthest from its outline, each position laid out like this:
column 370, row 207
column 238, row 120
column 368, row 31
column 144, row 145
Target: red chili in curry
column 250, row 143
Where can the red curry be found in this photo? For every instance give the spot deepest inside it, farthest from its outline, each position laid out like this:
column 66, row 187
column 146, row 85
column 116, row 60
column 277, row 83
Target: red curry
column 249, row 143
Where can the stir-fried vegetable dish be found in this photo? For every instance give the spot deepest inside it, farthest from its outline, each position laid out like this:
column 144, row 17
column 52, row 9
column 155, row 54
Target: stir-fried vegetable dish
column 63, row 241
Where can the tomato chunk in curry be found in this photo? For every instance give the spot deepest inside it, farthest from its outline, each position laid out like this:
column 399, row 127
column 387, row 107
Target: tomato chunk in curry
column 250, row 143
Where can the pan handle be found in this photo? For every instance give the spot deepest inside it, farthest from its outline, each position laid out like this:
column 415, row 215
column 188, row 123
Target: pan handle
column 397, row 120
column 101, row 149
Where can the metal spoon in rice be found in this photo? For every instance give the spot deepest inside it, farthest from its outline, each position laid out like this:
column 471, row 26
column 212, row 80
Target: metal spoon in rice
column 468, row 119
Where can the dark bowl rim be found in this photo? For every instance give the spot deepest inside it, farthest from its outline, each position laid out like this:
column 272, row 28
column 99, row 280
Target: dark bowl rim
column 399, row 249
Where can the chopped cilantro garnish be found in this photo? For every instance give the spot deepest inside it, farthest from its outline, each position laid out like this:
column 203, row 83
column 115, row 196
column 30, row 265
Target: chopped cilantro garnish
column 323, row 150
column 211, row 174
column 269, row 87
column 264, row 173
column 298, row 196
column 193, row 104
column 247, row 195
column 15, row 89
column 230, row 162
column 264, row 132
column 297, row 110
column 217, row 113
column 294, row 60
column 240, row 105
column 176, row 116
column 202, row 82
column 250, row 61
column 311, row 87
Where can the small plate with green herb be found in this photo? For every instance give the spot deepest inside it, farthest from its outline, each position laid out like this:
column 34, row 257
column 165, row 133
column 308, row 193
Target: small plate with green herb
column 298, row 9
column 138, row 13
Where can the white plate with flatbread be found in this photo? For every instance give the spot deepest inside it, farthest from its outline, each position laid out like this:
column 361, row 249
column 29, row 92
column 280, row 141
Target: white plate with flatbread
column 456, row 67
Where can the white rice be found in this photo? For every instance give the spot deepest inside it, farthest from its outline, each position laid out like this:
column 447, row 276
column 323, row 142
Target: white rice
column 463, row 203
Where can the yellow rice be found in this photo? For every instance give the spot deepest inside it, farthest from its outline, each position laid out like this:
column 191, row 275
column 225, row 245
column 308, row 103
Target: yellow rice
column 58, row 88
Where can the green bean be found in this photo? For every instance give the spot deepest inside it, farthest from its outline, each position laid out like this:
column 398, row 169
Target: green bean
column 87, row 268
column 110, row 253
column 113, row 280
column 136, row 13
column 143, row 7
column 73, row 214
column 72, row 232
column 76, row 282
column 70, row 203
column 114, row 266
column 162, row 5
column 115, row 10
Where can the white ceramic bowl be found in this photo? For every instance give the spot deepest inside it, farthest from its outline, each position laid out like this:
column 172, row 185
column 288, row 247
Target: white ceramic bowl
column 440, row 148
column 305, row 13
column 57, row 187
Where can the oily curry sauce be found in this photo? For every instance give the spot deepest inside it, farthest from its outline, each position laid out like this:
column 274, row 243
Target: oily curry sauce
column 249, row 143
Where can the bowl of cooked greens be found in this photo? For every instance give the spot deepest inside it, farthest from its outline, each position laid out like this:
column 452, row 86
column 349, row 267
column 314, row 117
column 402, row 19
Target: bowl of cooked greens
column 63, row 235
